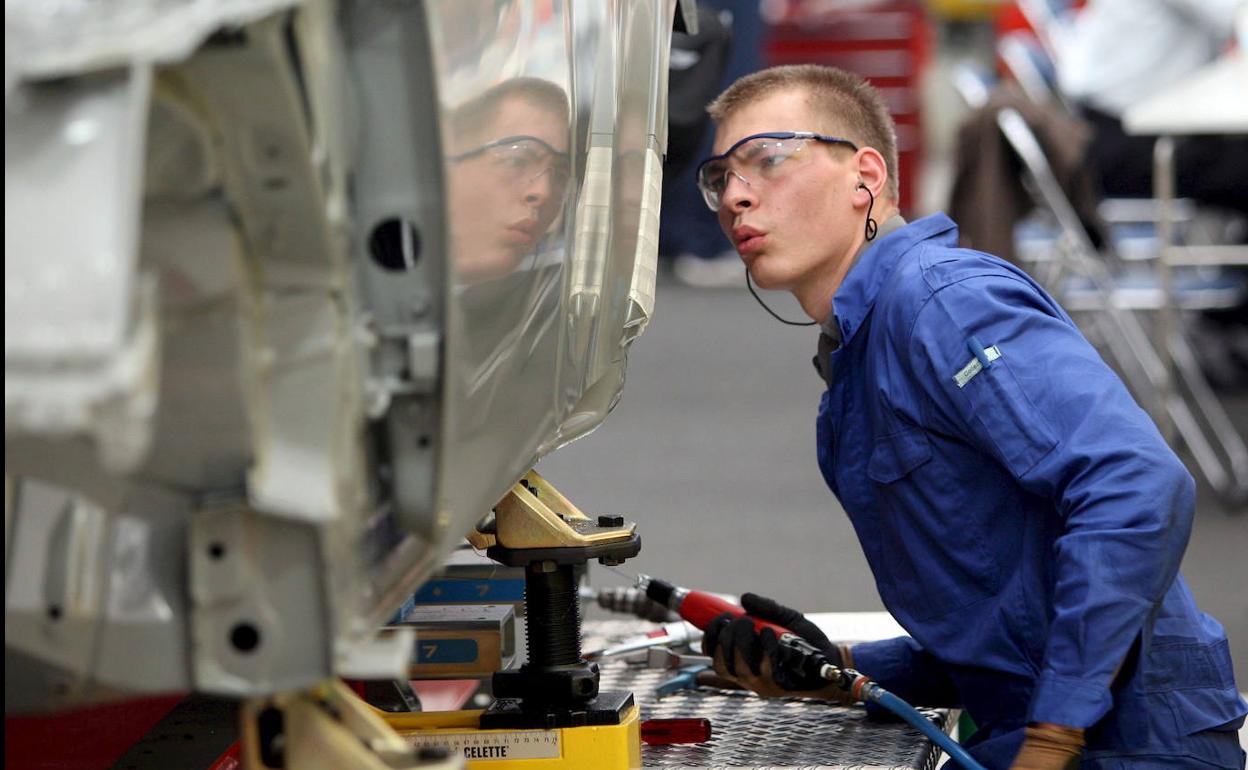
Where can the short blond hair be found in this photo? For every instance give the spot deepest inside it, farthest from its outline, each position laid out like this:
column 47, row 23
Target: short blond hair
column 851, row 105
column 475, row 118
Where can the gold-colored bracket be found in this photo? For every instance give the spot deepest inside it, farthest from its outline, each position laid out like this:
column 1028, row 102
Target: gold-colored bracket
column 536, row 515
column 328, row 728
column 481, row 540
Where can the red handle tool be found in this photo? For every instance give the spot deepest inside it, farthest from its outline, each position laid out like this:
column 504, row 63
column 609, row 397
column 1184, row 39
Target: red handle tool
column 698, row 607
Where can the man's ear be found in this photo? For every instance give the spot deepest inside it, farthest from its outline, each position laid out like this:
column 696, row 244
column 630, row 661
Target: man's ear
column 872, row 172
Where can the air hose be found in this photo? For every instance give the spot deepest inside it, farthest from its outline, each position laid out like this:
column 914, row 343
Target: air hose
column 873, row 693
column 863, row 689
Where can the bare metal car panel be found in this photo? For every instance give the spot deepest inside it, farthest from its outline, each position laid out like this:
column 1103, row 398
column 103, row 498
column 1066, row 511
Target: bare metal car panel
column 537, row 349
column 294, row 293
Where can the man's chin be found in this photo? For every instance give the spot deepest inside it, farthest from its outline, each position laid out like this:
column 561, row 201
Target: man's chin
column 488, row 263
column 763, row 278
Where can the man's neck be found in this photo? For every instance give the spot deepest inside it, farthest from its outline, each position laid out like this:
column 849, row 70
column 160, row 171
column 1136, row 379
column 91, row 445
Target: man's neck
column 815, row 296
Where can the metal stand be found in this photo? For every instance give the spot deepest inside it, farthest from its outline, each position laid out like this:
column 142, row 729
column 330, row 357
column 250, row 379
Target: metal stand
column 550, row 712
column 556, row 687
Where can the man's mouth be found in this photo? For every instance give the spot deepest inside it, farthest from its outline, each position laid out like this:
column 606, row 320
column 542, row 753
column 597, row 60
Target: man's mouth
column 524, row 233
column 748, row 240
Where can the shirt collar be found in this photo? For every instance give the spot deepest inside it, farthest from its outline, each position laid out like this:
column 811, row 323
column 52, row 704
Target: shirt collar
column 831, row 326
column 857, row 293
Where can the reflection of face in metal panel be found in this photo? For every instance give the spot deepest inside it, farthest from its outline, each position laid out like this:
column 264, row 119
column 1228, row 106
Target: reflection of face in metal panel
column 507, row 174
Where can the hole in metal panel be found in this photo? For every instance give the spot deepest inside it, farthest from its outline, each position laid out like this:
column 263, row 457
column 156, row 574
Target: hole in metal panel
column 394, row 244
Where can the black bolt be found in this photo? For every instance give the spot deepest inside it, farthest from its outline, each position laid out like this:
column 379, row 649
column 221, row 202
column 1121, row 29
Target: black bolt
column 553, row 621
column 610, row 521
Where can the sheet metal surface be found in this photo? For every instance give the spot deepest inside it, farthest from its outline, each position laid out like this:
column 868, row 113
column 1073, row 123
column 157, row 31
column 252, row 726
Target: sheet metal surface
column 753, row 732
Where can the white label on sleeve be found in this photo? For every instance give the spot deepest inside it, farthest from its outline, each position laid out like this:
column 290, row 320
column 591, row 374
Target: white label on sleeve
column 974, row 367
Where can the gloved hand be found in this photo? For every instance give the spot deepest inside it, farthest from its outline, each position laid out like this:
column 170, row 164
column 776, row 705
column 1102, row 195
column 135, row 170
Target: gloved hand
column 759, row 662
column 1050, row 747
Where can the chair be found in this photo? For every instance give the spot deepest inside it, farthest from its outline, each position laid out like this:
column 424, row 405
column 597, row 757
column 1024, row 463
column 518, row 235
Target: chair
column 1049, row 20
column 1031, row 66
column 1109, row 297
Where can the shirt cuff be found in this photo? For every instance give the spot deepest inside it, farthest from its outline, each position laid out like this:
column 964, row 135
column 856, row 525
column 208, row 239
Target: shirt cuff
column 908, row 671
column 886, row 660
column 1064, row 700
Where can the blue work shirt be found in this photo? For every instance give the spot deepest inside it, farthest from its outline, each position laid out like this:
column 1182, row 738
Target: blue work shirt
column 1023, row 518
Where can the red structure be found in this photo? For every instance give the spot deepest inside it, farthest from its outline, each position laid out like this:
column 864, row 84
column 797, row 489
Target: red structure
column 886, row 42
column 85, row 739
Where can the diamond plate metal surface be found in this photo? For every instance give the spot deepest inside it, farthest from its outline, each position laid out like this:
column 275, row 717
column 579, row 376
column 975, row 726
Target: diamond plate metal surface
column 753, row 732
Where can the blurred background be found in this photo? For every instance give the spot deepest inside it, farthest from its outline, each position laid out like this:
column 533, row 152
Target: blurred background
column 1008, row 123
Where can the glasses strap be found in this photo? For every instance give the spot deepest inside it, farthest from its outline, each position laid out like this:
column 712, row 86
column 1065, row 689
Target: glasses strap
column 750, row 286
column 871, row 227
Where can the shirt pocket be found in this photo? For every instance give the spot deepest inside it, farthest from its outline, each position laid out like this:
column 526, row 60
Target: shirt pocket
column 896, row 455
column 1186, row 665
column 932, row 544
column 1196, row 679
column 997, row 403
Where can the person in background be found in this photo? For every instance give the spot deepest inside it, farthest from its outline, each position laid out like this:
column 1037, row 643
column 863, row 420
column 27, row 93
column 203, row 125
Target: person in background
column 1168, row 41
column 728, row 46
column 1023, row 518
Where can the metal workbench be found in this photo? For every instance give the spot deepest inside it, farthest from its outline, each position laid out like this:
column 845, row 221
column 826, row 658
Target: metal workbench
column 753, row 732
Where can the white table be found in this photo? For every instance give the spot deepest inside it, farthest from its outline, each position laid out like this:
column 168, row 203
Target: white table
column 1212, row 100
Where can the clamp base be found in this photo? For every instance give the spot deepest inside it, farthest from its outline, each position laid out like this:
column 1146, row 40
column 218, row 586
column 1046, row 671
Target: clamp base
column 609, row 708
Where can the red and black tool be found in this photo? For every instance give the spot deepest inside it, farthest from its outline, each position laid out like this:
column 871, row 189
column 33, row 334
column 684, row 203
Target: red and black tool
column 697, row 607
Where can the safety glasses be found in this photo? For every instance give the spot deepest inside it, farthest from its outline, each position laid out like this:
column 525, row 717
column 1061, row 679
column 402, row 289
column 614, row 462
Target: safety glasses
column 521, row 159
column 758, row 159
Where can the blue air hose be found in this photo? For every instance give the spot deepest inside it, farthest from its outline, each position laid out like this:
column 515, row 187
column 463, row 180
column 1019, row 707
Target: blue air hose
column 873, row 693
column 812, row 660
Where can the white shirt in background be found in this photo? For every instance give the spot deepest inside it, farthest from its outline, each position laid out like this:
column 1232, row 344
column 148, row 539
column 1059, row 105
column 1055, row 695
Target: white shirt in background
column 1119, row 52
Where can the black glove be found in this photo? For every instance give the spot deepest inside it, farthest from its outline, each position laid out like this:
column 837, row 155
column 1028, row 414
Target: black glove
column 729, row 635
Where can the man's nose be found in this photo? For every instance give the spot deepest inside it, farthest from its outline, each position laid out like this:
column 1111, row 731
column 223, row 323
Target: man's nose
column 738, row 194
column 540, row 188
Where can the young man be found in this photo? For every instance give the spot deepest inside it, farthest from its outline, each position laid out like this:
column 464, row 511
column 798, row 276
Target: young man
column 507, row 175
column 1023, row 518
